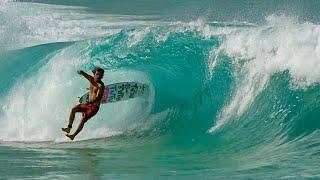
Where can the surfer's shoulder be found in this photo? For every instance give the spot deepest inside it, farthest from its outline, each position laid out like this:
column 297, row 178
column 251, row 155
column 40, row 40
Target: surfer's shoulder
column 101, row 84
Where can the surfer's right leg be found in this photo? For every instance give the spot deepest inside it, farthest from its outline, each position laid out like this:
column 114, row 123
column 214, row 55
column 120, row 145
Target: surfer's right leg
column 74, row 110
column 80, row 127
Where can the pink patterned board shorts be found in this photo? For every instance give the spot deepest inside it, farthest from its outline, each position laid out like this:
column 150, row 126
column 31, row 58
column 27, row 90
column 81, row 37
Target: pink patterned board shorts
column 88, row 110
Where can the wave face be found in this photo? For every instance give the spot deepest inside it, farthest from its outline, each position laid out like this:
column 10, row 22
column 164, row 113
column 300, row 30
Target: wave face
column 227, row 100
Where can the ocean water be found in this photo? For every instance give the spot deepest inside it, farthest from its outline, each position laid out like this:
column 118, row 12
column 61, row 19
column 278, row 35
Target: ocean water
column 234, row 89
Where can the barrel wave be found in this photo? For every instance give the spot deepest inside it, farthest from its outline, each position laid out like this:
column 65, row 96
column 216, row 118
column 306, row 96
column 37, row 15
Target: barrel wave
column 227, row 100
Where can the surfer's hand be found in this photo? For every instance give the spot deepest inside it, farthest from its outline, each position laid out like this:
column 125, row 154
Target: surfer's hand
column 80, row 72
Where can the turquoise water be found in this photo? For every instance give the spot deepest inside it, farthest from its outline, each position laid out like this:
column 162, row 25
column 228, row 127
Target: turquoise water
column 234, row 89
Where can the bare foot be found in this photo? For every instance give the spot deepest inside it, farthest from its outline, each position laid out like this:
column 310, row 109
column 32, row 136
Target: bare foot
column 67, row 130
column 70, row 136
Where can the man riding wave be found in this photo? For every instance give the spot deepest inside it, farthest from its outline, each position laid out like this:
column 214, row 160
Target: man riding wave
column 90, row 108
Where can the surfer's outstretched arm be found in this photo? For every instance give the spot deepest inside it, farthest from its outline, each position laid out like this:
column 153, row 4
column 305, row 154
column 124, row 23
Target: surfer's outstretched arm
column 87, row 76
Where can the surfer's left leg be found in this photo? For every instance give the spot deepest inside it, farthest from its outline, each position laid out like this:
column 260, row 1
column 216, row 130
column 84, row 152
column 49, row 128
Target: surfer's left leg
column 82, row 122
column 74, row 110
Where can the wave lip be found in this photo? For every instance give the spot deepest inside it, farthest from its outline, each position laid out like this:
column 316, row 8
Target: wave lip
column 265, row 51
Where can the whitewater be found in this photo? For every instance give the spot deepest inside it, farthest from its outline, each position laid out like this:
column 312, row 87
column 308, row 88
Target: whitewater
column 234, row 89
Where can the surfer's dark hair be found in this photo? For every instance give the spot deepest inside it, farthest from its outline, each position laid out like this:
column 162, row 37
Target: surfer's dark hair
column 98, row 69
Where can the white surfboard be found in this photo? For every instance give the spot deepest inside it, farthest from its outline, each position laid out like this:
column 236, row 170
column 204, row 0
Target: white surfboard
column 119, row 92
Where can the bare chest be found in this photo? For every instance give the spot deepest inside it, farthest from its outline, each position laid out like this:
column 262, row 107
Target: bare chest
column 93, row 89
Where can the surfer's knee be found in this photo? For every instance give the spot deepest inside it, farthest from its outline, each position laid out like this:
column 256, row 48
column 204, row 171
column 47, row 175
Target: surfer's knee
column 85, row 119
column 75, row 108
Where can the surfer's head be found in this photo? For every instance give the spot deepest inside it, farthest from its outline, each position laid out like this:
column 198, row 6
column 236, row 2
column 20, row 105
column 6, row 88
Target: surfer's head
column 98, row 73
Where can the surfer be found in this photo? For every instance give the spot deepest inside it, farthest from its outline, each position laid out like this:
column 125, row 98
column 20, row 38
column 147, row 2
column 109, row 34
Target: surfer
column 90, row 108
